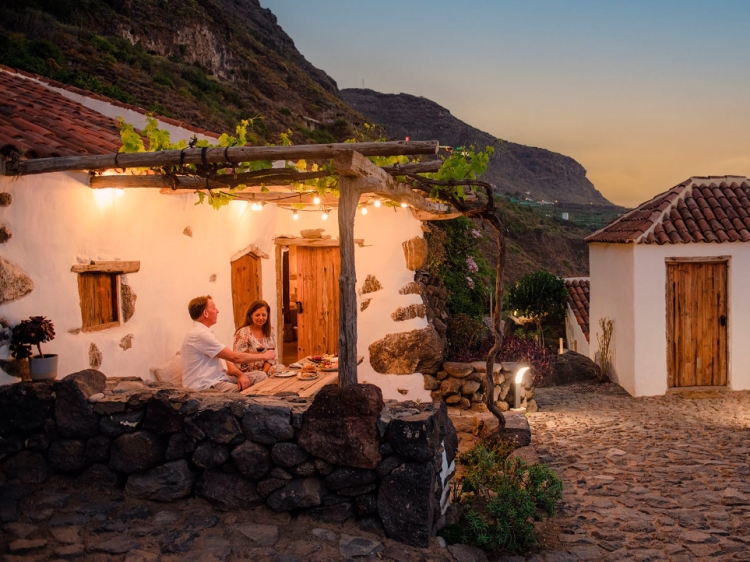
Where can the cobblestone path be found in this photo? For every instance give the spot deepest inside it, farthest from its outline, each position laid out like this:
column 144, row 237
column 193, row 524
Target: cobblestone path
column 658, row 478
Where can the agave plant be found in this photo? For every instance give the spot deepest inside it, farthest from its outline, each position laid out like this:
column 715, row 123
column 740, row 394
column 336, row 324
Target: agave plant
column 34, row 331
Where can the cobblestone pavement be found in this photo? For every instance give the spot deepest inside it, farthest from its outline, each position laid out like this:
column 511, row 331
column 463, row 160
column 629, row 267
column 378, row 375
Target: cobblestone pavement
column 657, row 478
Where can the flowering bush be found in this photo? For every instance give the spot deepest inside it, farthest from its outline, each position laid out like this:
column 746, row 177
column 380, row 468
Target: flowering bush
column 525, row 350
column 454, row 256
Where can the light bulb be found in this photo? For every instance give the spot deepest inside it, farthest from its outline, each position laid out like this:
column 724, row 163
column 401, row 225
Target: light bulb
column 316, row 200
column 295, row 215
column 404, row 205
column 377, row 203
column 364, row 210
column 324, row 216
column 254, row 206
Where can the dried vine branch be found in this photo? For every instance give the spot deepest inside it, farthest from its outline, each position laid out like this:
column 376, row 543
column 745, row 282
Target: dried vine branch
column 488, row 213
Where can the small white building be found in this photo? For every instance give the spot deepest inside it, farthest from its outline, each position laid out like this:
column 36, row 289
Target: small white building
column 669, row 274
column 577, row 315
column 114, row 269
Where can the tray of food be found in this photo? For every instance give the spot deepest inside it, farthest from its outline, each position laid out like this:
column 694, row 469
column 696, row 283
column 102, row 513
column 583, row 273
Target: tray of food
column 309, row 372
column 326, row 363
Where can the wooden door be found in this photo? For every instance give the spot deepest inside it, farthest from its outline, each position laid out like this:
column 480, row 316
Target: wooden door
column 245, row 285
column 318, row 291
column 697, row 323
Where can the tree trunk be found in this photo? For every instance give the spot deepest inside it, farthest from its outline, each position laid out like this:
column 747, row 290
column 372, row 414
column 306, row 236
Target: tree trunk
column 348, row 201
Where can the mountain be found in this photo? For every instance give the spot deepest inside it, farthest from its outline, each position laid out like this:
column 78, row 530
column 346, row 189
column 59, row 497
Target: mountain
column 207, row 62
column 515, row 169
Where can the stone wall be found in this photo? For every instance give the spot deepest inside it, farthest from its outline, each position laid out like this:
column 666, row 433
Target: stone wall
column 345, row 454
column 464, row 385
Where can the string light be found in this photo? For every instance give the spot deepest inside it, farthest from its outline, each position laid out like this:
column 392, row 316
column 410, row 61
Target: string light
column 324, row 216
column 404, row 205
column 364, row 210
column 377, row 203
column 295, row 215
column 316, row 200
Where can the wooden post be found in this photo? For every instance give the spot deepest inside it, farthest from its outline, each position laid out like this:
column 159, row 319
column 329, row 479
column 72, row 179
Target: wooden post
column 348, row 200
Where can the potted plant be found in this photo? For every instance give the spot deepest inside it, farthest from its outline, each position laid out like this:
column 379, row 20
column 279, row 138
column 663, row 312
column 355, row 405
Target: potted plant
column 33, row 332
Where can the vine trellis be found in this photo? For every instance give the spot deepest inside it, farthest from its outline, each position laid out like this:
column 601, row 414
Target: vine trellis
column 342, row 172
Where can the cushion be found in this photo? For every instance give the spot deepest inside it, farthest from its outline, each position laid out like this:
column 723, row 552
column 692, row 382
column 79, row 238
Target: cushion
column 170, row 372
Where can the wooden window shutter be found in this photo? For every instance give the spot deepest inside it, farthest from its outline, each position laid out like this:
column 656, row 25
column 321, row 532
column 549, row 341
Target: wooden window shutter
column 99, row 300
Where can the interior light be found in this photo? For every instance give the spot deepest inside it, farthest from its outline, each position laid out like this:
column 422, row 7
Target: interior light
column 316, row 200
column 295, row 215
column 377, row 203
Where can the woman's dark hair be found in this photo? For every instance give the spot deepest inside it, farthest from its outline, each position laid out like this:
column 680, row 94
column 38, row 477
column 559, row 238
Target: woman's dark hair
column 248, row 321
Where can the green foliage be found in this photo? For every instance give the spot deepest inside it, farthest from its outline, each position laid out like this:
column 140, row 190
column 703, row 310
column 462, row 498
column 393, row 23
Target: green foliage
column 538, row 295
column 454, row 256
column 501, row 498
column 461, row 164
column 465, row 334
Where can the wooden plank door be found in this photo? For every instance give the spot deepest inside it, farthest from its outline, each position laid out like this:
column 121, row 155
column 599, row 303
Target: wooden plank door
column 245, row 285
column 697, row 323
column 318, row 290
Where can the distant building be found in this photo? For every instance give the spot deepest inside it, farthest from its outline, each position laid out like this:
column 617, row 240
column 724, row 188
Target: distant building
column 565, row 216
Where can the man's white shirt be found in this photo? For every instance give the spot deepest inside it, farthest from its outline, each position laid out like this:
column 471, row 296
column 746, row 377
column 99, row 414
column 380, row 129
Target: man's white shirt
column 201, row 369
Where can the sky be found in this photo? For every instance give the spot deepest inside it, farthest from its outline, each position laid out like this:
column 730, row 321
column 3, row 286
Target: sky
column 644, row 94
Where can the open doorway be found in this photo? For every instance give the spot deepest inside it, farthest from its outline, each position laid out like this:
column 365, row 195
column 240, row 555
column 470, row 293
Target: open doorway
column 308, row 300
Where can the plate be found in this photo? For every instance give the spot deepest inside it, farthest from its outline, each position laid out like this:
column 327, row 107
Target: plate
column 286, row 374
column 330, row 369
column 307, row 378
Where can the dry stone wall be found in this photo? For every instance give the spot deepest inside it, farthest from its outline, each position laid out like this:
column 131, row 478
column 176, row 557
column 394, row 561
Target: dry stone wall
column 464, row 385
column 346, row 454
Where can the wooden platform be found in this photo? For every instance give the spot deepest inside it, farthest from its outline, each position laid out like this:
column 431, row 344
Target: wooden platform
column 304, row 389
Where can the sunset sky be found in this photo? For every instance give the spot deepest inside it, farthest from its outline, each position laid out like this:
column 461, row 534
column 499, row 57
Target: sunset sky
column 644, row 94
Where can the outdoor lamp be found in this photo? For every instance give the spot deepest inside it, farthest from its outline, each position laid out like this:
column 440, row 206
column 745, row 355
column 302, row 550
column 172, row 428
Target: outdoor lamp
column 377, row 202
column 519, row 379
column 364, row 210
column 324, row 216
column 404, row 205
column 316, row 200
column 295, row 215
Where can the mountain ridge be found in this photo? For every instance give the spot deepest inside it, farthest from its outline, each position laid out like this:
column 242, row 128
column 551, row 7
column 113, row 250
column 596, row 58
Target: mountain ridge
column 514, row 169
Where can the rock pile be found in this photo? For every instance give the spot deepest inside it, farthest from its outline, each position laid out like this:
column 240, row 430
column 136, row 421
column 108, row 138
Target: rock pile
column 464, row 385
column 346, row 454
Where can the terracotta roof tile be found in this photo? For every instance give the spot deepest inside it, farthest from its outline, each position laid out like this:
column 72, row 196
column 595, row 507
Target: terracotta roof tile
column 700, row 209
column 578, row 299
column 43, row 123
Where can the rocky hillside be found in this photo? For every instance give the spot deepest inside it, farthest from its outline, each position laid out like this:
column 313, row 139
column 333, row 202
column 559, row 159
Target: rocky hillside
column 207, row 62
column 515, row 169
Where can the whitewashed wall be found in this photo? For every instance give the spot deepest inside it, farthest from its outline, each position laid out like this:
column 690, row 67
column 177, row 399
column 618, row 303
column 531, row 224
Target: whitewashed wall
column 574, row 333
column 57, row 219
column 651, row 312
column 612, row 296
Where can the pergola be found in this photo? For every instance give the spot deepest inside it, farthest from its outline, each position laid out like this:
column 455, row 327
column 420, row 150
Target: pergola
column 359, row 180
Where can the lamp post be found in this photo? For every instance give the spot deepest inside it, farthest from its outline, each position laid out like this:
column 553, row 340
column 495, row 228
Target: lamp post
column 517, row 390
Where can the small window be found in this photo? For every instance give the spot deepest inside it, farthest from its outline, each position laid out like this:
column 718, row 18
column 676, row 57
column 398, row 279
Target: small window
column 100, row 303
column 99, row 290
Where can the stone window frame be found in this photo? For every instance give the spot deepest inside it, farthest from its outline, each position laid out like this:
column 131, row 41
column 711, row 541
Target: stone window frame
column 90, row 301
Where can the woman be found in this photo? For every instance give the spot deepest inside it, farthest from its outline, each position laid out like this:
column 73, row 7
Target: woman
column 256, row 336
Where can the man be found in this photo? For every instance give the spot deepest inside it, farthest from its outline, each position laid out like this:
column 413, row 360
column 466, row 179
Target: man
column 206, row 362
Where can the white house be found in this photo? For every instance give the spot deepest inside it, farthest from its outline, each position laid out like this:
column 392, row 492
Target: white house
column 577, row 314
column 114, row 269
column 670, row 275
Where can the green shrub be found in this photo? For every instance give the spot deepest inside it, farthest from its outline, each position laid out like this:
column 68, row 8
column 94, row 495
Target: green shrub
column 465, row 334
column 454, row 256
column 501, row 498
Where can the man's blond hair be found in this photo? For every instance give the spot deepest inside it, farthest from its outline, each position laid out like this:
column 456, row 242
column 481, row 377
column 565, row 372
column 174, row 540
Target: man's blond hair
column 197, row 306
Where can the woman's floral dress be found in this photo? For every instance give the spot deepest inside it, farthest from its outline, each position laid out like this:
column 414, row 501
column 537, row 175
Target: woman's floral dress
column 246, row 342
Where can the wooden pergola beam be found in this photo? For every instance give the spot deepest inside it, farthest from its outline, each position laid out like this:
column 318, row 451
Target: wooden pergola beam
column 376, row 180
column 274, row 176
column 233, row 154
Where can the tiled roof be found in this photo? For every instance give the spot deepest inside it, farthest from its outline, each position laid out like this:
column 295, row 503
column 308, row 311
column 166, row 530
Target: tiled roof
column 42, row 122
column 700, row 209
column 578, row 299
